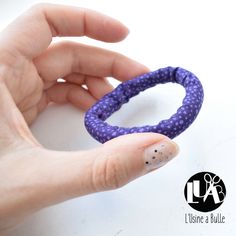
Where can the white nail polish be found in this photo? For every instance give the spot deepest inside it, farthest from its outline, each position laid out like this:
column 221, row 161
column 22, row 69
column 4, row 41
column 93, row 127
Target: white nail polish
column 159, row 154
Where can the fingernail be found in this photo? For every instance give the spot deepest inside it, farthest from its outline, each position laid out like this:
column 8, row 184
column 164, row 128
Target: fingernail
column 159, row 154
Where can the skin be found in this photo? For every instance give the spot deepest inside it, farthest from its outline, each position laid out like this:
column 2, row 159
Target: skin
column 32, row 177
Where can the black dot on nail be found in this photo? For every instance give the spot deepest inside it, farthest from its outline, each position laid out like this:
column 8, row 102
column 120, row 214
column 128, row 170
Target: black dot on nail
column 155, row 150
column 146, row 162
column 153, row 157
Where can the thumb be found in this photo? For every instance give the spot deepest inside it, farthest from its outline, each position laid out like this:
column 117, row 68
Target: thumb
column 128, row 157
column 44, row 177
column 110, row 166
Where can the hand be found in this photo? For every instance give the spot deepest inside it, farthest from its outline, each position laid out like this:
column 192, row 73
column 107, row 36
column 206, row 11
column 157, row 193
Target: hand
column 32, row 177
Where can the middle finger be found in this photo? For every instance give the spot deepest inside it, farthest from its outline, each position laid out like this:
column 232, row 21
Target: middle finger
column 65, row 58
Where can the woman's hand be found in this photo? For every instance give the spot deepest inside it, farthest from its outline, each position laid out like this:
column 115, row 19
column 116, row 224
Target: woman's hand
column 32, row 177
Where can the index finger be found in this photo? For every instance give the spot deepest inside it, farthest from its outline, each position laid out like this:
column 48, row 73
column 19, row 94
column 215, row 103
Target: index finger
column 32, row 32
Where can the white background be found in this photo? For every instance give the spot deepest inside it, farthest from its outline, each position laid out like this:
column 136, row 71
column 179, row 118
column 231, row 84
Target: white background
column 197, row 35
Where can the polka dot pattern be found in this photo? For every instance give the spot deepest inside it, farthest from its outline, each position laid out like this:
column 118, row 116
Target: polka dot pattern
column 95, row 117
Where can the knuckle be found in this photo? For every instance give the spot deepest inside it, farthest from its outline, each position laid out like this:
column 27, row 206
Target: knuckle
column 39, row 6
column 109, row 173
column 66, row 44
column 112, row 173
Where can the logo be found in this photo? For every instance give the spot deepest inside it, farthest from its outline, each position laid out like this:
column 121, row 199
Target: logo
column 205, row 191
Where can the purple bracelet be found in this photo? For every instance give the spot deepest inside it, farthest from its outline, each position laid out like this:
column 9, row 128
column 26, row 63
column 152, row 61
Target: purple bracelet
column 95, row 117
